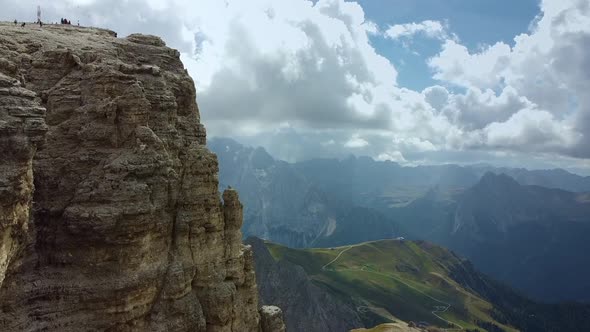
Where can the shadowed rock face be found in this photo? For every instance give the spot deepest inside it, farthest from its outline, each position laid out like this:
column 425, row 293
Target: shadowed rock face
column 125, row 229
column 22, row 129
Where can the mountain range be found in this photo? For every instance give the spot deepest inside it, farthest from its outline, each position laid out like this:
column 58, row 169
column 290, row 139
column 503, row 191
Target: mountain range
column 532, row 237
column 286, row 205
column 524, row 227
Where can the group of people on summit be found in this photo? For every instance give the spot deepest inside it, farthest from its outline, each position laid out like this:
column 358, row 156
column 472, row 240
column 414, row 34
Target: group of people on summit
column 22, row 24
column 63, row 21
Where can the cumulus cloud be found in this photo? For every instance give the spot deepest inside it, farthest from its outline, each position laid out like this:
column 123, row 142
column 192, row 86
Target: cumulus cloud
column 428, row 28
column 542, row 80
column 475, row 109
column 530, row 128
column 356, row 142
column 455, row 64
column 303, row 79
column 317, row 69
column 395, row 156
column 436, row 96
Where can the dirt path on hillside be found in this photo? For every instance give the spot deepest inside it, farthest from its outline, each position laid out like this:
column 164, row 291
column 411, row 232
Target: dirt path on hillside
column 444, row 307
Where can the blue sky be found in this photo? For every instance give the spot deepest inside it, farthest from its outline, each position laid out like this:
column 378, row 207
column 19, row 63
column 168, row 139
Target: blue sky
column 475, row 22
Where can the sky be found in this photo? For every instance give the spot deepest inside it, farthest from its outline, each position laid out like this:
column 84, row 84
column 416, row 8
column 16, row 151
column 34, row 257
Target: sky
column 412, row 81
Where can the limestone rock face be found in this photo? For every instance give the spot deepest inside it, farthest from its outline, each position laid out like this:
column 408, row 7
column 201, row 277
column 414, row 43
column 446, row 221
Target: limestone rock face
column 114, row 223
column 22, row 129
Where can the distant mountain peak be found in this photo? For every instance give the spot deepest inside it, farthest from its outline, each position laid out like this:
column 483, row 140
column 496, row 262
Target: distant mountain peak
column 261, row 159
column 491, row 179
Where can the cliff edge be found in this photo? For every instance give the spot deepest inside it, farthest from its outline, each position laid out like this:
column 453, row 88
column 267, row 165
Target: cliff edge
column 110, row 215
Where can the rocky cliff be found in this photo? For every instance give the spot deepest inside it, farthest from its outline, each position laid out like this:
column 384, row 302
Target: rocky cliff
column 110, row 215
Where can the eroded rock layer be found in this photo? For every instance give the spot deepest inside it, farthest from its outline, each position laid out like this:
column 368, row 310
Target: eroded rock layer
column 114, row 223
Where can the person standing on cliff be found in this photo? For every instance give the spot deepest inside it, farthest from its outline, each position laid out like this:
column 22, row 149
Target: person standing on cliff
column 15, row 22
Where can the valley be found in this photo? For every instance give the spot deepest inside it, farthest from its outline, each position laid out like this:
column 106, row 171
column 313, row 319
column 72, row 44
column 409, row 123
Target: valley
column 417, row 283
column 394, row 279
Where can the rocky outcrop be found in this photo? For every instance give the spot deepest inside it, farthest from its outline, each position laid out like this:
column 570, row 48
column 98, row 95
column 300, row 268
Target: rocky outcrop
column 306, row 307
column 125, row 229
column 271, row 319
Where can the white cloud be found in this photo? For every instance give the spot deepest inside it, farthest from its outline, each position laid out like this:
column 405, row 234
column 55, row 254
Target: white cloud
column 436, row 96
column 395, row 156
column 541, row 83
column 356, row 142
column 476, row 109
column 413, row 144
column 428, row 28
column 530, row 128
column 482, row 70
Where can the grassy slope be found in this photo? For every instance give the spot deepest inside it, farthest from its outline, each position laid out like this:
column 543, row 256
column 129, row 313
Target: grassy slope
column 403, row 279
column 390, row 327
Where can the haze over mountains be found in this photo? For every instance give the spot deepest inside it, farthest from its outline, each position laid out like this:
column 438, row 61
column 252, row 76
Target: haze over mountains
column 286, row 205
column 481, row 212
column 532, row 237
